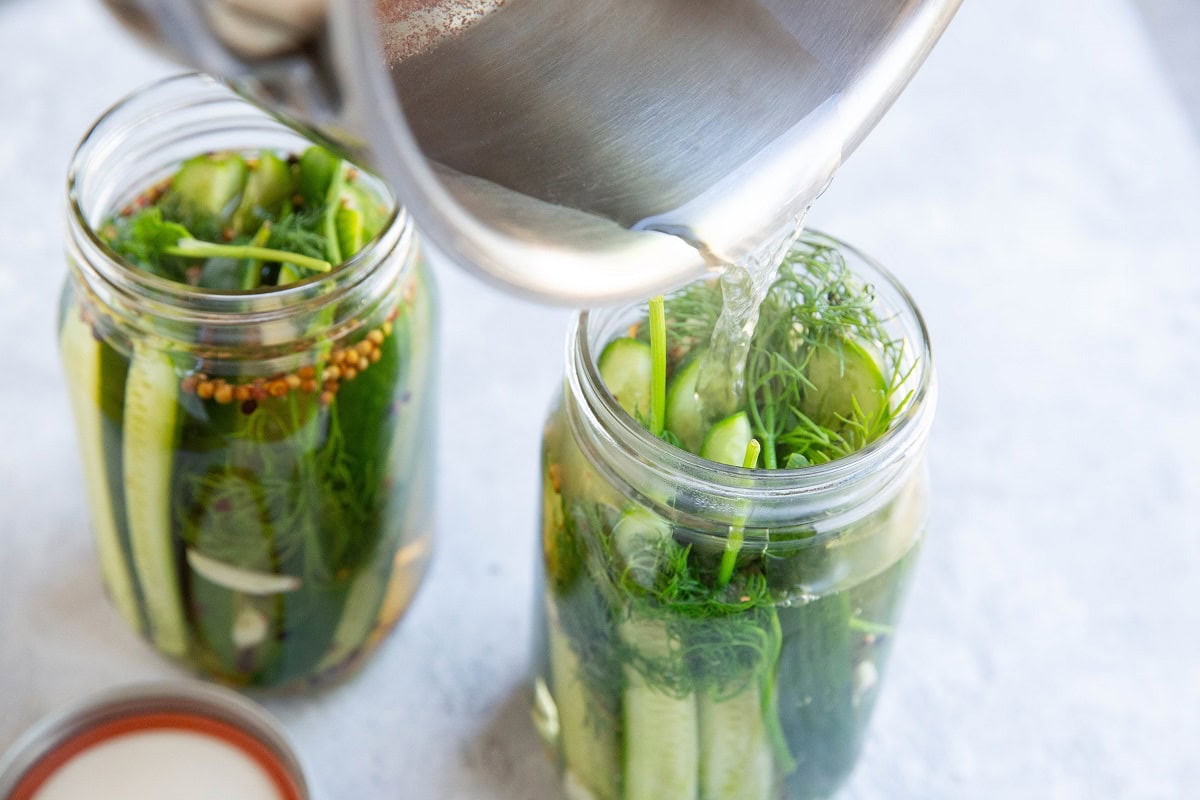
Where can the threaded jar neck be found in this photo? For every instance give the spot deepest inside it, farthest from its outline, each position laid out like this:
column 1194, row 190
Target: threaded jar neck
column 138, row 143
column 708, row 496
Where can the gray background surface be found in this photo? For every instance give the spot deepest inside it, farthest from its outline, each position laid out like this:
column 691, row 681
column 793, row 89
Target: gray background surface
column 1038, row 190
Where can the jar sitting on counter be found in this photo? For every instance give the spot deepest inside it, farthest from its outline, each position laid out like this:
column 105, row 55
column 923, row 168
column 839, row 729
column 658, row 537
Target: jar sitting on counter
column 247, row 329
column 723, row 571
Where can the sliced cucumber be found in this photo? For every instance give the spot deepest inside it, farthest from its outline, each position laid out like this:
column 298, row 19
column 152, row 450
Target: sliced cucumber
column 638, row 539
column 842, row 375
column 81, row 358
column 359, row 617
column 268, row 187
column 684, row 414
column 589, row 747
column 375, row 213
column 205, row 188
column 317, row 166
column 728, row 439
column 351, row 237
column 662, row 747
column 149, row 447
column 626, row 367
column 735, row 753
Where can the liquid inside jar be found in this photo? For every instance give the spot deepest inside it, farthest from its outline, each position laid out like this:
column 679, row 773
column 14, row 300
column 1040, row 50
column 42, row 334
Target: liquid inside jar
column 258, row 491
column 710, row 629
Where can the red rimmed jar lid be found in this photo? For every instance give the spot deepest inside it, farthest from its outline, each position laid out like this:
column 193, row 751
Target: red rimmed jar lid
column 182, row 741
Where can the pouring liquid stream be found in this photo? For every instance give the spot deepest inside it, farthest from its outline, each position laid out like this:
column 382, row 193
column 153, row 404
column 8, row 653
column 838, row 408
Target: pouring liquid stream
column 744, row 287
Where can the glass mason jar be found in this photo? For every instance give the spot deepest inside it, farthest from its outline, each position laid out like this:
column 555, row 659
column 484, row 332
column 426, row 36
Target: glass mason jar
column 759, row 690
column 259, row 516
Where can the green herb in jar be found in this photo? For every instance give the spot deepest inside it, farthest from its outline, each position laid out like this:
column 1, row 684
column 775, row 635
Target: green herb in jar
column 686, row 665
column 254, row 521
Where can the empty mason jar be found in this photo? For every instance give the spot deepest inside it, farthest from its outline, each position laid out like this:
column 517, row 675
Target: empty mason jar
column 258, row 463
column 661, row 673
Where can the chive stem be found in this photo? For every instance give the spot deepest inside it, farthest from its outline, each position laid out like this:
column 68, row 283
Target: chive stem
column 658, row 362
column 737, row 533
column 195, row 248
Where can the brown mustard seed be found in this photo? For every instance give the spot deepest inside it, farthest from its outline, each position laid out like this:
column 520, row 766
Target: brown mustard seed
column 375, row 337
column 331, row 386
column 205, row 389
column 326, row 398
column 308, row 385
column 277, row 388
column 293, row 381
column 223, row 394
column 350, row 374
column 249, row 406
column 365, row 347
column 188, row 384
column 243, row 393
column 332, row 373
column 375, row 356
column 351, row 357
column 387, row 328
column 337, row 357
column 307, row 372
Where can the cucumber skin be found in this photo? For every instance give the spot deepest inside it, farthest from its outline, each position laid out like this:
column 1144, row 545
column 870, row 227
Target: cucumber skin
column 727, row 440
column 735, row 760
column 840, row 378
column 684, row 417
column 590, row 748
column 815, row 695
column 149, row 444
column 96, row 382
column 662, row 734
column 626, row 367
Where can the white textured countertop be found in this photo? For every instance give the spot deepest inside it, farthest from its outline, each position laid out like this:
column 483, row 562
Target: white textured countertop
column 1038, row 190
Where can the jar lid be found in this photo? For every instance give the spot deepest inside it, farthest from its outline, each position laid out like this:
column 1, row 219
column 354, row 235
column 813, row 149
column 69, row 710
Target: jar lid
column 156, row 740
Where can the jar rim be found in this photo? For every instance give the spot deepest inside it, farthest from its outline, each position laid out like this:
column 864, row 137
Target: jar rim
column 621, row 430
column 174, row 94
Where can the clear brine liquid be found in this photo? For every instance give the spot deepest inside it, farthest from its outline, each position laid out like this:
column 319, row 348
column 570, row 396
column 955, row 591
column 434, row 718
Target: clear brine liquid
column 744, row 287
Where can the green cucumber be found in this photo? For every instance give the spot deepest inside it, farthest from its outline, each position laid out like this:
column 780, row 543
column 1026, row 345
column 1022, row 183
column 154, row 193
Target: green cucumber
column 589, row 747
column 627, row 368
column 151, row 428
column 661, row 730
column 350, row 233
column 735, row 753
column 727, row 440
column 638, row 539
column 843, row 376
column 816, row 693
column 268, row 186
column 203, row 192
column 375, row 213
column 684, row 414
column 317, row 166
column 81, row 354
column 662, row 735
